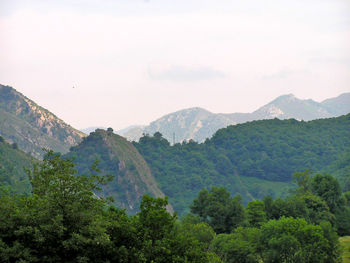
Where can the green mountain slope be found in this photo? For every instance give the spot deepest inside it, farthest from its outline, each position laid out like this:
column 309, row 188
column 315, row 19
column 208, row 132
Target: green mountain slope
column 341, row 170
column 12, row 168
column 254, row 159
column 32, row 127
column 117, row 157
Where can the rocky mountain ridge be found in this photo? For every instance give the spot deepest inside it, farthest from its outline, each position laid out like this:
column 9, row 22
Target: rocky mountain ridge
column 32, row 127
column 199, row 124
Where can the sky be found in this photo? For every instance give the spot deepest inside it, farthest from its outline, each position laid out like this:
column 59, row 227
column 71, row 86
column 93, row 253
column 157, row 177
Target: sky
column 116, row 63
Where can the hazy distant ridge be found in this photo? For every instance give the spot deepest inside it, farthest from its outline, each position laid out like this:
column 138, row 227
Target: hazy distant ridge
column 198, row 123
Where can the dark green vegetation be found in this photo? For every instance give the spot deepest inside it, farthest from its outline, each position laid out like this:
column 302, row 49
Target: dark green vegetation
column 12, row 167
column 64, row 221
column 254, row 159
column 119, row 158
column 341, row 170
column 300, row 228
column 32, row 127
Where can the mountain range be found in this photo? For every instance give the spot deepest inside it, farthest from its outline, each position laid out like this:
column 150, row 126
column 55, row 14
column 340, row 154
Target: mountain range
column 199, row 124
column 32, row 127
column 253, row 159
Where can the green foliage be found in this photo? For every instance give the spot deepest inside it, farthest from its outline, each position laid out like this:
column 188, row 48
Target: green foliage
column 342, row 220
column 201, row 232
column 318, row 199
column 155, row 221
column 160, row 240
column 328, row 188
column 13, row 163
column 217, row 208
column 268, row 152
column 239, row 246
column 293, row 206
column 294, row 240
column 65, row 221
column 303, row 181
column 61, row 221
column 340, row 169
column 256, row 214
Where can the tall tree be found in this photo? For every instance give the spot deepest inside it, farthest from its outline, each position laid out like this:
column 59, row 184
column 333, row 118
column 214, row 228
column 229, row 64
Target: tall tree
column 217, row 208
column 328, row 188
column 256, row 215
column 63, row 220
column 294, row 240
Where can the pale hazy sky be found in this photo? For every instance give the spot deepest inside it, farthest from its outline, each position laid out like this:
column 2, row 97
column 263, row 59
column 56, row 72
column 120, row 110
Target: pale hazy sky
column 132, row 61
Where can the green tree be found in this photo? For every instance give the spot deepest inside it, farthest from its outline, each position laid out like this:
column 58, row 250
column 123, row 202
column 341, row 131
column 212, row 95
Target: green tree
column 294, row 240
column 161, row 242
column 316, row 209
column 63, row 220
column 237, row 247
column 256, row 214
column 201, row 232
column 217, row 208
column 328, row 188
column 303, row 181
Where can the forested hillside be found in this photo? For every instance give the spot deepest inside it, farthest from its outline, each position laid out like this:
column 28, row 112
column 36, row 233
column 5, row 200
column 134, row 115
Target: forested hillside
column 12, row 168
column 254, row 159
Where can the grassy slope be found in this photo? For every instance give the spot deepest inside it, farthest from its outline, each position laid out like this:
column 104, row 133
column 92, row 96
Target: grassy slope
column 345, row 242
column 127, row 152
column 119, row 158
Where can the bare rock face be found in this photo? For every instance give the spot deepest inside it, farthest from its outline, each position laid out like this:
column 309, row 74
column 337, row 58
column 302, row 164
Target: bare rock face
column 33, row 127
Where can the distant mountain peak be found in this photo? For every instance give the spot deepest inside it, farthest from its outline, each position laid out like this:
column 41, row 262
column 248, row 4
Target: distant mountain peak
column 198, row 124
column 285, row 98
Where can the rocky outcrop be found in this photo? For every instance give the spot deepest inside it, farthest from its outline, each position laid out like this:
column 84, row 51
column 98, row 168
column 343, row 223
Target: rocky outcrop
column 33, row 127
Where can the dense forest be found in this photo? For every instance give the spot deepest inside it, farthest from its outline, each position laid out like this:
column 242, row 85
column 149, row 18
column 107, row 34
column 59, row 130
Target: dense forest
column 63, row 220
column 254, row 159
